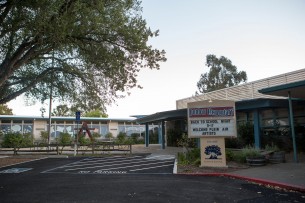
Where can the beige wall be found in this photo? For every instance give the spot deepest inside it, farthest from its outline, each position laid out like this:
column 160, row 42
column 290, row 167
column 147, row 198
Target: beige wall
column 39, row 126
column 113, row 128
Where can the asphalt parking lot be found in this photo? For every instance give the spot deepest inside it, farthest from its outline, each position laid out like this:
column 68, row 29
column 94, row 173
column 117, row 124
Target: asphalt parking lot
column 125, row 179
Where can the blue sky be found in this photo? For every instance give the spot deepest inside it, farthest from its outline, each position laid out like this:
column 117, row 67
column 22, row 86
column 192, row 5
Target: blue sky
column 262, row 37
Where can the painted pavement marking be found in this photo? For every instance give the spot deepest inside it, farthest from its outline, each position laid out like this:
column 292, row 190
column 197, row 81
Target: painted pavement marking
column 162, row 164
column 16, row 170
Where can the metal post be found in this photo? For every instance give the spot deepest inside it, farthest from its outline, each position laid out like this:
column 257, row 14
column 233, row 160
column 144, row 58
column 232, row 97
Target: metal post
column 75, row 138
column 163, row 133
column 50, row 105
column 146, row 135
column 295, row 155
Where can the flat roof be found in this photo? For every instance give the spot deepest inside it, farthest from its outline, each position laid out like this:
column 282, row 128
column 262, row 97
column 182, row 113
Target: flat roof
column 61, row 118
column 296, row 89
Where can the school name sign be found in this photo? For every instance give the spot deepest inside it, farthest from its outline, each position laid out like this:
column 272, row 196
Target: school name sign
column 212, row 119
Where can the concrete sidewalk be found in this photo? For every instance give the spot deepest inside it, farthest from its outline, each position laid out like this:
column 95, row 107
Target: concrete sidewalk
column 288, row 175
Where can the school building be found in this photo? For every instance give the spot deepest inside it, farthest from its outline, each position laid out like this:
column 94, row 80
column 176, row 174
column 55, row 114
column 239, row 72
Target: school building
column 275, row 106
column 35, row 125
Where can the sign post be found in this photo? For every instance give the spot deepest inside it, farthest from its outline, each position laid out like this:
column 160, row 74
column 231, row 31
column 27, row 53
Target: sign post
column 212, row 121
column 77, row 119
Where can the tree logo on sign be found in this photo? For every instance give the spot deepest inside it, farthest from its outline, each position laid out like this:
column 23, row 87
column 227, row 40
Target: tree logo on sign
column 213, row 150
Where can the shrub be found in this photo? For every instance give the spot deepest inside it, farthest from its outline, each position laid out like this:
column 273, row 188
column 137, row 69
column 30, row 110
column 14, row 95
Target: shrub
column 95, row 136
column 63, row 140
column 186, row 142
column 121, row 138
column 190, row 157
column 44, row 136
column 17, row 140
column 109, row 136
column 230, row 155
column 83, row 140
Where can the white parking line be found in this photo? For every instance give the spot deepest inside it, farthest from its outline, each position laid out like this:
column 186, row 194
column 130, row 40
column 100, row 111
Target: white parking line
column 116, row 163
column 132, row 166
column 101, row 161
column 161, row 157
column 160, row 166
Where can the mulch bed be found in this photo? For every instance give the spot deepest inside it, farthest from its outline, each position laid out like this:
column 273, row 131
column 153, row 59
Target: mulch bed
column 232, row 166
column 11, row 160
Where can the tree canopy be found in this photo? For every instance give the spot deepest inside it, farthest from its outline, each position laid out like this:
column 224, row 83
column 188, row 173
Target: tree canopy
column 222, row 74
column 65, row 110
column 89, row 51
column 5, row 110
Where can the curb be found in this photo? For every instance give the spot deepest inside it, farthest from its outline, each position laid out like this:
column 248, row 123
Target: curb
column 255, row 180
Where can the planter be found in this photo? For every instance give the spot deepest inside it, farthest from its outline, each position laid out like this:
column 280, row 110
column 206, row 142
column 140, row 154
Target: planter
column 256, row 161
column 277, row 157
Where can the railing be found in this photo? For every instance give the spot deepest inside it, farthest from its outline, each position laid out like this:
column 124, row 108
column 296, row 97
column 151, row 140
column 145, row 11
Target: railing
column 95, row 148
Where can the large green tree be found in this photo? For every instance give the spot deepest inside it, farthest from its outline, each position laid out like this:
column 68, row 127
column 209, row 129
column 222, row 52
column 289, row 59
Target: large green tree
column 82, row 48
column 222, row 73
column 5, row 110
column 61, row 110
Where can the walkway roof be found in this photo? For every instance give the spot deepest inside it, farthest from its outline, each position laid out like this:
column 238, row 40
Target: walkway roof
column 243, row 105
column 296, row 89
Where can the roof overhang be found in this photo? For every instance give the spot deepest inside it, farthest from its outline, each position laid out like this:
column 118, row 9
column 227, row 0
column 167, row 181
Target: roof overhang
column 164, row 115
column 296, row 89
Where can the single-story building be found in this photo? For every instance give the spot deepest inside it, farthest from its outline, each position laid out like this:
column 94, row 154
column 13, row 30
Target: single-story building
column 275, row 106
column 35, row 125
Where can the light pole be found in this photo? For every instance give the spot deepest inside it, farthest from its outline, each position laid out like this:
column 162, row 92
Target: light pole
column 50, row 105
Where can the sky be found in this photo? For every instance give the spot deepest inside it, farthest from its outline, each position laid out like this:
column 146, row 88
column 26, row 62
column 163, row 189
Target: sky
column 262, row 37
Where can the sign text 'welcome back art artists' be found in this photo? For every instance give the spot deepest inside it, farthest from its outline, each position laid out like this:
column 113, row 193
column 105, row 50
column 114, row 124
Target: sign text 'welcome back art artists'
column 212, row 119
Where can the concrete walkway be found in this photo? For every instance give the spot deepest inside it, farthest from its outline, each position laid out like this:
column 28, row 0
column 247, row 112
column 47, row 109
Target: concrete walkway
column 288, row 175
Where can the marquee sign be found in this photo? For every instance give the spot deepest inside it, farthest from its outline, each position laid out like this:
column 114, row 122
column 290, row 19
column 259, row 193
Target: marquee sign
column 211, row 119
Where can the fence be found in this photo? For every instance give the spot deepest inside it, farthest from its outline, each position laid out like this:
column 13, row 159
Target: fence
column 96, row 148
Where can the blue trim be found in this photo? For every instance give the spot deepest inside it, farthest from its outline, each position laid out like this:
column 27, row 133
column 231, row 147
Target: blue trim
column 257, row 132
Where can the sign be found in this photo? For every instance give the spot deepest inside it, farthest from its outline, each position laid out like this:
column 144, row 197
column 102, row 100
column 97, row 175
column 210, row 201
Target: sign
column 211, row 119
column 77, row 116
column 213, row 152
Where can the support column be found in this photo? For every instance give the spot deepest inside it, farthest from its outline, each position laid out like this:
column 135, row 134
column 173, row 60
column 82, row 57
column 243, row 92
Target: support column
column 295, row 155
column 257, row 132
column 146, row 134
column 163, row 134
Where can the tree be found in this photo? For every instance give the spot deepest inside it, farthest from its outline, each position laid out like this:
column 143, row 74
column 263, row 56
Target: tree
column 5, row 110
column 92, row 48
column 222, row 74
column 61, row 110
column 96, row 113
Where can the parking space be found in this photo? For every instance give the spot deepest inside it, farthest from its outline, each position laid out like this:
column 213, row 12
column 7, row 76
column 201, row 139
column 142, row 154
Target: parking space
column 162, row 164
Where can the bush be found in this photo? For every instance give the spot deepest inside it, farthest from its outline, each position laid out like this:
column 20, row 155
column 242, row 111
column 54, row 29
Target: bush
column 121, row 138
column 17, row 140
column 190, row 157
column 186, row 142
column 63, row 140
column 95, row 136
column 83, row 140
column 109, row 136
column 44, row 136
column 229, row 155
